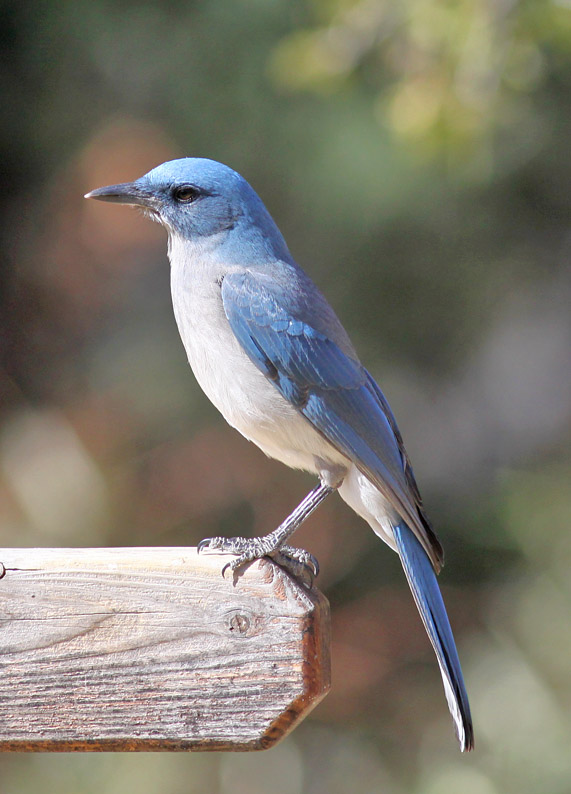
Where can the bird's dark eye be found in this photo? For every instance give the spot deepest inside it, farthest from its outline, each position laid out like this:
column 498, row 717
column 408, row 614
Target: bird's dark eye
column 185, row 194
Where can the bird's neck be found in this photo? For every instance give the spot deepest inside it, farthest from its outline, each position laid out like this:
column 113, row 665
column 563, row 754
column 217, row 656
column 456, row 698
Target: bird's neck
column 228, row 249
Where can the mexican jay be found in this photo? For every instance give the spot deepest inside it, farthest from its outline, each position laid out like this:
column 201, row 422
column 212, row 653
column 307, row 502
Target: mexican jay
column 271, row 354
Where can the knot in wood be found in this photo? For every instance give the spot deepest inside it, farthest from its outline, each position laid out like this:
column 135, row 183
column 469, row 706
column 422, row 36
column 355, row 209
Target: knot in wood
column 240, row 623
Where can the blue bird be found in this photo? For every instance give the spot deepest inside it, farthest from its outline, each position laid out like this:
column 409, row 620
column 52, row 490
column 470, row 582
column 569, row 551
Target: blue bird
column 271, row 354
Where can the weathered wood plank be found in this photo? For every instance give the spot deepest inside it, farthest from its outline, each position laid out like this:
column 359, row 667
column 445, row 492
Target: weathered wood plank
column 152, row 649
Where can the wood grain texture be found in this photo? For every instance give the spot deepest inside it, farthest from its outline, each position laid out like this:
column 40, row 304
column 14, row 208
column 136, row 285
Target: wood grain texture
column 152, row 649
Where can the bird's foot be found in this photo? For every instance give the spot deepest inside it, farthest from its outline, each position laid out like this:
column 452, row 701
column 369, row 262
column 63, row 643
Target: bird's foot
column 298, row 562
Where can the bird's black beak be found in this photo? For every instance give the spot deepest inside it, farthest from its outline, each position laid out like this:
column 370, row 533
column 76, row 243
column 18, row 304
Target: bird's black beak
column 126, row 193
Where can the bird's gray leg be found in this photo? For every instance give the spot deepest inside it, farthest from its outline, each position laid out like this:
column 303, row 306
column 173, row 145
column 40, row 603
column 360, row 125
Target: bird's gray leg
column 298, row 561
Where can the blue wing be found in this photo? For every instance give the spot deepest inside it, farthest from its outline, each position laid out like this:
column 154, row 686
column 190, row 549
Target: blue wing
column 329, row 387
column 341, row 400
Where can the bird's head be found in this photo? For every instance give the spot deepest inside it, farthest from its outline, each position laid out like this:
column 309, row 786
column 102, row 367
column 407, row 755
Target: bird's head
column 195, row 198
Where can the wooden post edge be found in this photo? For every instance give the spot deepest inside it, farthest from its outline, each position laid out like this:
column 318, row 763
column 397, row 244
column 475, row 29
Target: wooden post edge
column 152, row 649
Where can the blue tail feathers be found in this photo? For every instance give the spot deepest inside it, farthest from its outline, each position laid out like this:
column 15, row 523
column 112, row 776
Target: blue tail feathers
column 424, row 586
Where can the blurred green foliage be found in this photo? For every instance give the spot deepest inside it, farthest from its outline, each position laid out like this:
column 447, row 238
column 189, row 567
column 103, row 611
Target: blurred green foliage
column 416, row 156
column 446, row 76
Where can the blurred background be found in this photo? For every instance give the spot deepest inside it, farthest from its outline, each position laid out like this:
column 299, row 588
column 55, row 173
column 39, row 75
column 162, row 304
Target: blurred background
column 416, row 155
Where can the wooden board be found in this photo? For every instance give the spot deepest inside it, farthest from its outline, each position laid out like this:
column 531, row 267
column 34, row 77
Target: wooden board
column 152, row 649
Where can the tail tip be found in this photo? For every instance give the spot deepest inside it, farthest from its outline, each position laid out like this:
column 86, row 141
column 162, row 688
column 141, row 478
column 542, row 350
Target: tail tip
column 466, row 739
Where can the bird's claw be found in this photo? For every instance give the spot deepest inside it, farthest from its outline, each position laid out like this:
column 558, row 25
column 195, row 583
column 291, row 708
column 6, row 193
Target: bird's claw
column 210, row 544
column 298, row 562
column 292, row 558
